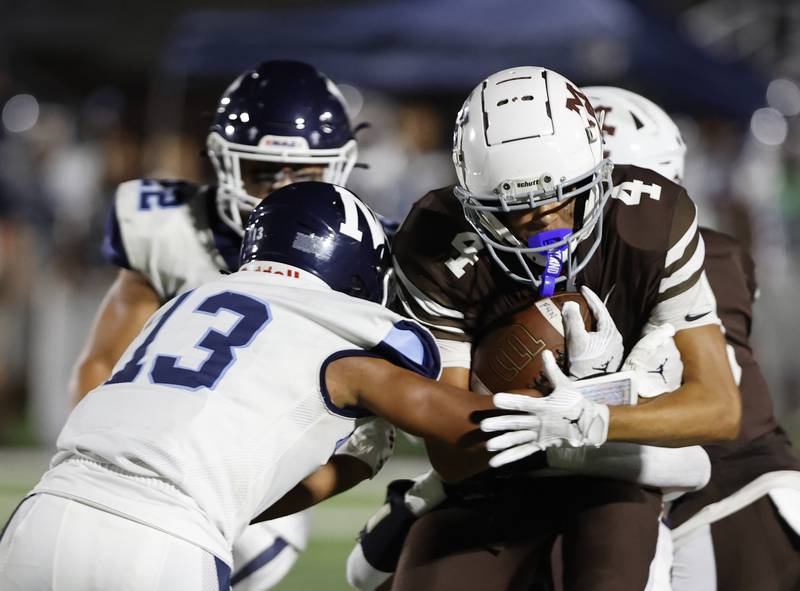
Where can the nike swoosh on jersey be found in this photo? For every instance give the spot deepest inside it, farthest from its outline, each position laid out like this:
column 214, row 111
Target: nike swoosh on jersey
column 693, row 317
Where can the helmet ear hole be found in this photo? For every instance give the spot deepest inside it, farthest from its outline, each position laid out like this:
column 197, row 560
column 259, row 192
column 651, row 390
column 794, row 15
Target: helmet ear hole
column 357, row 288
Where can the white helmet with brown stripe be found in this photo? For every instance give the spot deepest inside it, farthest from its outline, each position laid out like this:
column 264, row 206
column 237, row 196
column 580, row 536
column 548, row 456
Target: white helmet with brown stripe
column 527, row 137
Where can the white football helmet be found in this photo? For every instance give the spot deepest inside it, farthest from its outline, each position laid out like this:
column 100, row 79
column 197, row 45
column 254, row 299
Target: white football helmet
column 527, row 137
column 637, row 131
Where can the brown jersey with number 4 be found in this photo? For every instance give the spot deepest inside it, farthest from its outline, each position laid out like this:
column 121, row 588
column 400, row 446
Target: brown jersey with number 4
column 648, row 267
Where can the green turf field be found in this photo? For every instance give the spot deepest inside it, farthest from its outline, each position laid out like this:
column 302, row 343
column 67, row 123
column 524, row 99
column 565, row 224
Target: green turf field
column 335, row 523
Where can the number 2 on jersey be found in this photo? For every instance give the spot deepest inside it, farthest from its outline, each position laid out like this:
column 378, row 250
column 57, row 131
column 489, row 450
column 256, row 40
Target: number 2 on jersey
column 254, row 314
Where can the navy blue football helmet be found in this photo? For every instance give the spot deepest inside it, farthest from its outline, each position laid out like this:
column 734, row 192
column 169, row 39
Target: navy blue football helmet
column 284, row 112
column 325, row 230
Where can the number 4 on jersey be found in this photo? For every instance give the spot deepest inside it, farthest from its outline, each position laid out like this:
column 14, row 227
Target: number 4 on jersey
column 468, row 245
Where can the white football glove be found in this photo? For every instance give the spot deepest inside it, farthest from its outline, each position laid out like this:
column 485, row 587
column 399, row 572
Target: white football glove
column 372, row 442
column 562, row 418
column 596, row 352
column 656, row 361
column 427, row 493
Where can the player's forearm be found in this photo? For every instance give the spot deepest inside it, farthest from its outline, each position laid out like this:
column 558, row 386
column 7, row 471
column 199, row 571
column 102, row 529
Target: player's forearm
column 455, row 463
column 684, row 468
column 691, row 415
column 447, row 418
column 341, row 473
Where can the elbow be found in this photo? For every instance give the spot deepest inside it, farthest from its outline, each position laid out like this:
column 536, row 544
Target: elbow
column 730, row 425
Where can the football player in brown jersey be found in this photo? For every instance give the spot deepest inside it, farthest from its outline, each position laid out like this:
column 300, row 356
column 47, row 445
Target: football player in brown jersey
column 539, row 209
column 742, row 531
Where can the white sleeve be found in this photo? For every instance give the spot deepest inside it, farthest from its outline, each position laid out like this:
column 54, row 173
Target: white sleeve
column 674, row 469
column 685, row 299
column 455, row 353
column 692, row 308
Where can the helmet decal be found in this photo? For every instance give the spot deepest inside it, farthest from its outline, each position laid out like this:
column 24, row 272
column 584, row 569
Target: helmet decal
column 637, row 131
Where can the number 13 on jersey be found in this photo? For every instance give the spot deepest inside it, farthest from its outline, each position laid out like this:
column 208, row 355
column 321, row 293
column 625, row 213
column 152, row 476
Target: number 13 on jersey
column 166, row 370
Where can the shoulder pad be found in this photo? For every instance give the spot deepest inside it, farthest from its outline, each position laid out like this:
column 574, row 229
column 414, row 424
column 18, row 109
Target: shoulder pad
column 651, row 212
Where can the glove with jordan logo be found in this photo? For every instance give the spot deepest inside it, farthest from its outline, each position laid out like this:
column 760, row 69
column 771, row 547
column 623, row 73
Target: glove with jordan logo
column 656, row 361
column 596, row 352
column 564, row 417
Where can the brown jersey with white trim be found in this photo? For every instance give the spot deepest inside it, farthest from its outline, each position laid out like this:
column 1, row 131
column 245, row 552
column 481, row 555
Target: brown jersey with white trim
column 761, row 446
column 731, row 273
column 649, row 265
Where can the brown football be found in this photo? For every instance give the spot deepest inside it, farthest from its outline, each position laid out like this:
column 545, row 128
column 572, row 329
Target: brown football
column 508, row 357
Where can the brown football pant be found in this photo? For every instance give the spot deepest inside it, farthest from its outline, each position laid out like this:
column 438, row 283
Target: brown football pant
column 609, row 530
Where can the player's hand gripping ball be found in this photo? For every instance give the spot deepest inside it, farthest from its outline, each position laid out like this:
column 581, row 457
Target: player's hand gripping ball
column 508, row 357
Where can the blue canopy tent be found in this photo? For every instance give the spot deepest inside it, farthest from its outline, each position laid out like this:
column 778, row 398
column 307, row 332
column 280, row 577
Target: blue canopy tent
column 448, row 45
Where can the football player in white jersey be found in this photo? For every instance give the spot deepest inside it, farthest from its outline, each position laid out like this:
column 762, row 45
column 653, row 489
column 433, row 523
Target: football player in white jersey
column 233, row 393
column 279, row 123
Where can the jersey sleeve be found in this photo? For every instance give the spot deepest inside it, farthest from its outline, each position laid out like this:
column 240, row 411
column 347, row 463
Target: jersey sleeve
column 143, row 233
column 406, row 344
column 432, row 282
column 409, row 345
column 684, row 297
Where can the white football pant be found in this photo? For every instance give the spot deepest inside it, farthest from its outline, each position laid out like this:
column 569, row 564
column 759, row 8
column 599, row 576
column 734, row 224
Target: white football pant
column 57, row 544
column 263, row 554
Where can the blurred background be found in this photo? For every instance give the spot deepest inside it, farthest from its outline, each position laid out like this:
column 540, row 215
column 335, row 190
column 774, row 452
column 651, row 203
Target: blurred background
column 93, row 94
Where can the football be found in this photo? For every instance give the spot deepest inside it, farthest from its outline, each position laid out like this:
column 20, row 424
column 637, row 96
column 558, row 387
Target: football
column 508, row 357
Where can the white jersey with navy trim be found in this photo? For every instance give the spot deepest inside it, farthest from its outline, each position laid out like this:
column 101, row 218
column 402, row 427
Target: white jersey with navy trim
column 170, row 232
column 219, row 407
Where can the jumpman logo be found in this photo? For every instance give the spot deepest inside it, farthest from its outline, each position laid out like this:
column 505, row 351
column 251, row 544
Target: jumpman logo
column 660, row 370
column 604, row 367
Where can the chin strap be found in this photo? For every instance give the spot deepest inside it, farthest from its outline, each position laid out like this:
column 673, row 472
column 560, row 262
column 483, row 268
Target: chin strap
column 555, row 258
